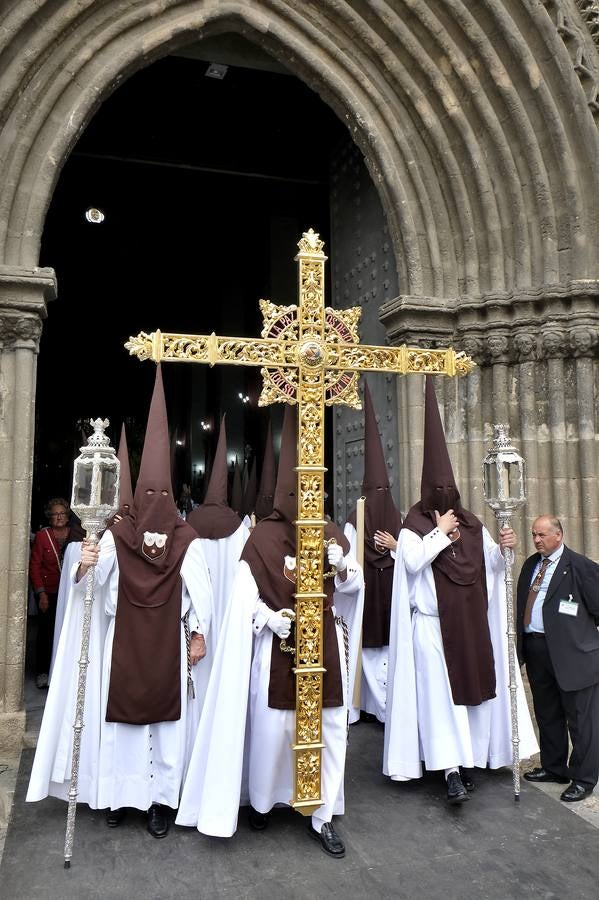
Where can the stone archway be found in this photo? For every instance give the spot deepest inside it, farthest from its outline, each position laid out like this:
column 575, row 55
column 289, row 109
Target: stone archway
column 479, row 132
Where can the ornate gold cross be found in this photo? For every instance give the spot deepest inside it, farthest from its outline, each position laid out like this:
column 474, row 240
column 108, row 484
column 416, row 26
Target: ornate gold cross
column 310, row 356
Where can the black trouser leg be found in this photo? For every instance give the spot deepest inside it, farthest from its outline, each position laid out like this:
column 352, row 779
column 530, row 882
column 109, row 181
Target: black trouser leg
column 45, row 636
column 549, row 710
column 582, row 709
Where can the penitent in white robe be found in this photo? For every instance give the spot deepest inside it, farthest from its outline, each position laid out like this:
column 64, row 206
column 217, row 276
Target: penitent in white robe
column 72, row 554
column 238, row 691
column 423, row 723
column 375, row 661
column 128, row 765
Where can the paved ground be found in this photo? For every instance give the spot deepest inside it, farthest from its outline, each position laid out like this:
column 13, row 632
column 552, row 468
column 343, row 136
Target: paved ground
column 403, row 841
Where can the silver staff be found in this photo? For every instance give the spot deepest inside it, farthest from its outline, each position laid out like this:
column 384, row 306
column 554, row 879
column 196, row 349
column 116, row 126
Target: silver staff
column 504, row 485
column 94, row 500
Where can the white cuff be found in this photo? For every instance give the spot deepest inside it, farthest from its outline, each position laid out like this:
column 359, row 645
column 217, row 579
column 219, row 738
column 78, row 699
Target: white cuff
column 261, row 616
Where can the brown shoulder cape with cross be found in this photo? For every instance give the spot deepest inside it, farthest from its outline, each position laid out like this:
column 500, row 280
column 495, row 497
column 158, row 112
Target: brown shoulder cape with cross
column 458, row 570
column 215, row 519
column 380, row 514
column 271, row 540
column 145, row 675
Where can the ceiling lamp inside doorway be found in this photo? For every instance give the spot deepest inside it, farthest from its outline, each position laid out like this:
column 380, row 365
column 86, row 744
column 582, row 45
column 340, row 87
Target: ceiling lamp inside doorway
column 216, row 70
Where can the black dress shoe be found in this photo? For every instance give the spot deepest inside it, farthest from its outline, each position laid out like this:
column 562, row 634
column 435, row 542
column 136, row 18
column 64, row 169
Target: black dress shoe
column 576, row 791
column 114, row 817
column 258, row 821
column 328, row 839
column 467, row 781
column 544, row 775
column 157, row 821
column 456, row 792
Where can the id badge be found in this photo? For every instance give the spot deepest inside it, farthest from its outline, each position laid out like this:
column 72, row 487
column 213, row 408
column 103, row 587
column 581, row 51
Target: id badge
column 568, row 607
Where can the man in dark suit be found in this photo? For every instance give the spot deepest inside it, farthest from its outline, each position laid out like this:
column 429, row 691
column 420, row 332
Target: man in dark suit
column 558, row 614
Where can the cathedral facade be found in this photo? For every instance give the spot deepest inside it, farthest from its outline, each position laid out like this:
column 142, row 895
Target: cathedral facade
column 464, row 212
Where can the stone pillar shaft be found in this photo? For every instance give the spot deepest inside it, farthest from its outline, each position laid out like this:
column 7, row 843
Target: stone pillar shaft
column 23, row 297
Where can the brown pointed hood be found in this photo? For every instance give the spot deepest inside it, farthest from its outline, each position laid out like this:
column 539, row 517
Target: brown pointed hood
column 249, row 497
column 438, row 489
column 266, row 489
column 145, row 671
column 215, row 519
column 272, row 539
column 125, row 488
column 458, row 570
column 380, row 514
column 236, row 492
column 285, row 499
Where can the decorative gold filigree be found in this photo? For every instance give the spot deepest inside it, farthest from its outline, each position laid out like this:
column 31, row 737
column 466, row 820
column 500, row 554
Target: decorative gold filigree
column 309, row 688
column 343, row 324
column 279, row 321
column 310, row 243
column 310, row 494
column 307, row 767
column 140, row 346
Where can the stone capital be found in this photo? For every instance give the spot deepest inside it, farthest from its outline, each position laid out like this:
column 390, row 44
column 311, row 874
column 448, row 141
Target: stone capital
column 24, row 297
column 502, row 327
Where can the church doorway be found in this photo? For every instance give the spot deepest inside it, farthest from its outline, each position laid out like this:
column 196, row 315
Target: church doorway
column 179, row 207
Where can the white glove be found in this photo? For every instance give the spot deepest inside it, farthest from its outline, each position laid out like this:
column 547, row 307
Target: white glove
column 290, row 563
column 336, row 558
column 280, row 624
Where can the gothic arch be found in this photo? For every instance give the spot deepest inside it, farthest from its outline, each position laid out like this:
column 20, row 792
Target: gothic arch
column 476, row 124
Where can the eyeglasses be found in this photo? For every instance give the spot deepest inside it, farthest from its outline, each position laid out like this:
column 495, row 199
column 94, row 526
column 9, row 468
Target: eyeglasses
column 62, row 515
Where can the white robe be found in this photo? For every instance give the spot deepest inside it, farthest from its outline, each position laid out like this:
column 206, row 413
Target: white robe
column 51, row 771
column 423, row 723
column 72, row 554
column 123, row 765
column 223, row 559
column 227, row 736
column 375, row 661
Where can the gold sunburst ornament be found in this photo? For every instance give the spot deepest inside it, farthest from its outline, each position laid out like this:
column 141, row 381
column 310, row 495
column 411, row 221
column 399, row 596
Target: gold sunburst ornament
column 310, row 355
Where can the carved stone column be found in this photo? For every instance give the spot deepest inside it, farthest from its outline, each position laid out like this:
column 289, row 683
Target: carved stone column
column 537, row 352
column 24, row 294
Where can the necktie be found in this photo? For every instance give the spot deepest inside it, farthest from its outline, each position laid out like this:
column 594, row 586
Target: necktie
column 534, row 590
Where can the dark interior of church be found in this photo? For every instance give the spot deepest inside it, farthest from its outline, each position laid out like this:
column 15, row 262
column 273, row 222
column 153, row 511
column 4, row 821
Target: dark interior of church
column 206, row 173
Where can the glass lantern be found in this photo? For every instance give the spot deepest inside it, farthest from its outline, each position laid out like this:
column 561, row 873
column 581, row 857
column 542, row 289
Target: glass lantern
column 96, row 480
column 504, row 474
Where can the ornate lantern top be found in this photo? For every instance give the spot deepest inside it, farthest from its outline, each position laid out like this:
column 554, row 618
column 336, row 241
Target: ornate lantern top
column 96, row 479
column 504, row 473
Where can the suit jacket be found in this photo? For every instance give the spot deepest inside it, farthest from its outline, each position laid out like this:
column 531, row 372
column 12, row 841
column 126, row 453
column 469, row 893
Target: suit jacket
column 572, row 641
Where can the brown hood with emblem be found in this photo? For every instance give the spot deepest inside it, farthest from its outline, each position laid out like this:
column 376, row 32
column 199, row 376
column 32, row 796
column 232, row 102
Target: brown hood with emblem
column 145, row 681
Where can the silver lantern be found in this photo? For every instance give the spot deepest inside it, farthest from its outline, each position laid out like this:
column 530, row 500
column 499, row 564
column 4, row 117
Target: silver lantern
column 96, row 480
column 94, row 499
column 504, row 485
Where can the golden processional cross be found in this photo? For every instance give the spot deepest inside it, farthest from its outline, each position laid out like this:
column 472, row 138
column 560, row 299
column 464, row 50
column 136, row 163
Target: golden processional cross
column 309, row 355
